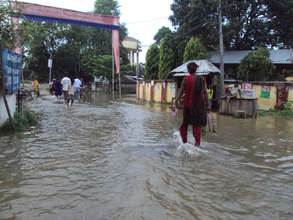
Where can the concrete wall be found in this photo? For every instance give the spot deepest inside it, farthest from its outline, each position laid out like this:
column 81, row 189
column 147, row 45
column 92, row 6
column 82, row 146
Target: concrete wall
column 158, row 92
column 266, row 103
column 11, row 99
column 290, row 94
column 171, row 91
column 161, row 91
column 152, row 91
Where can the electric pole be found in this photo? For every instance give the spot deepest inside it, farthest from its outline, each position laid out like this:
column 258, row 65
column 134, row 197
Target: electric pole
column 221, row 50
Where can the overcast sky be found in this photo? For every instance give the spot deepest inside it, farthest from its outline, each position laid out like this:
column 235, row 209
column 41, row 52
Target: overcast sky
column 143, row 18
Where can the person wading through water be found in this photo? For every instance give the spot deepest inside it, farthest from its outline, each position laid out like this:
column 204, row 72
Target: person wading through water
column 195, row 103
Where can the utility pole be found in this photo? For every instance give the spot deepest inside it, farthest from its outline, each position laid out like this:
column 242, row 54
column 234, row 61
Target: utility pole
column 113, row 82
column 50, row 62
column 221, row 50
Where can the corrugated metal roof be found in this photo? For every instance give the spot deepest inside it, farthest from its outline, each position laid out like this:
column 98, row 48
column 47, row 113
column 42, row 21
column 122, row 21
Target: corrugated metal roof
column 204, row 68
column 282, row 56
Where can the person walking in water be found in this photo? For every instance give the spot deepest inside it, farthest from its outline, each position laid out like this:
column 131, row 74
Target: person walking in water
column 66, row 82
column 195, row 103
column 70, row 97
column 58, row 88
column 36, row 87
column 77, row 85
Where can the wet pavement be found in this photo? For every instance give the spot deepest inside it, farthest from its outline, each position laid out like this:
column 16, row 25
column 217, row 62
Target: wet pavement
column 108, row 160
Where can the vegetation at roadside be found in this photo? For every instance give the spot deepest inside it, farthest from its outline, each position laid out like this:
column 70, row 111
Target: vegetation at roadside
column 21, row 122
column 287, row 111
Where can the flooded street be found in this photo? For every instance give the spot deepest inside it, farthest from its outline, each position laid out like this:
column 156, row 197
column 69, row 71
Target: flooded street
column 105, row 160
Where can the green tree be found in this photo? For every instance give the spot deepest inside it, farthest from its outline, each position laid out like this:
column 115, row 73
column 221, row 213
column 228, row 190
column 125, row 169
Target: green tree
column 246, row 24
column 166, row 59
column 40, row 40
column 194, row 50
column 6, row 28
column 162, row 32
column 107, row 7
column 152, row 62
column 281, row 12
column 257, row 66
column 102, row 66
column 195, row 19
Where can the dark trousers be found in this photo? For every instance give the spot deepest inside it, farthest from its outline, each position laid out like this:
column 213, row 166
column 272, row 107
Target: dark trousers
column 195, row 131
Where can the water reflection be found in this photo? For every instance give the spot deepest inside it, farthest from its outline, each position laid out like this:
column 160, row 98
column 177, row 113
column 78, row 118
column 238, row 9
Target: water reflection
column 111, row 160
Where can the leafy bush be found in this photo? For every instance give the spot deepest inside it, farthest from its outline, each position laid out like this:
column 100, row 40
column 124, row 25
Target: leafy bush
column 288, row 106
column 21, row 122
column 30, row 117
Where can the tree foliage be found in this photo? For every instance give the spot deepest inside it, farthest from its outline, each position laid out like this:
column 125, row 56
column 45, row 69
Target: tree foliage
column 102, row 66
column 195, row 19
column 162, row 32
column 256, row 66
column 107, row 7
column 72, row 46
column 152, row 62
column 194, row 50
column 281, row 12
column 246, row 24
column 6, row 27
column 166, row 59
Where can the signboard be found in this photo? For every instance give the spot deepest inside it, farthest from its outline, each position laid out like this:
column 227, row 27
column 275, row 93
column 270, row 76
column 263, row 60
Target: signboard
column 248, row 94
column 246, row 86
column 265, row 92
column 11, row 64
column 50, row 61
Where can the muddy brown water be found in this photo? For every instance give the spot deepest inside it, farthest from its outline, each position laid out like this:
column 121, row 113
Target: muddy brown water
column 111, row 160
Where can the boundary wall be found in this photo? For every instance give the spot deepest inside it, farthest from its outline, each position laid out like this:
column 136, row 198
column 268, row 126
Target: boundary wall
column 269, row 94
column 161, row 91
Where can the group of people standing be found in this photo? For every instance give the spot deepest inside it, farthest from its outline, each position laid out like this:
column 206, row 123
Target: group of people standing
column 70, row 88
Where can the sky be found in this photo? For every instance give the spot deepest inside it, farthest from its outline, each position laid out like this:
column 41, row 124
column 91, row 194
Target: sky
column 143, row 18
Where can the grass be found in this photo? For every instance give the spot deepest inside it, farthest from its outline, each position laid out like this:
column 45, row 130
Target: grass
column 286, row 112
column 272, row 112
column 21, row 122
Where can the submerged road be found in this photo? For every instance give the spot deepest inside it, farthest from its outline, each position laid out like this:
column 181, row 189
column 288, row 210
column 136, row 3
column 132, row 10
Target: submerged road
column 108, row 160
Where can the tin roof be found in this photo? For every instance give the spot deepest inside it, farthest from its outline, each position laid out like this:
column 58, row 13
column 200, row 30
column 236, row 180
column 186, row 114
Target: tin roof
column 204, row 68
column 282, row 56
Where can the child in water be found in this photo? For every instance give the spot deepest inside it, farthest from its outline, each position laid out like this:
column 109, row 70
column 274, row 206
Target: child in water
column 212, row 119
column 211, row 115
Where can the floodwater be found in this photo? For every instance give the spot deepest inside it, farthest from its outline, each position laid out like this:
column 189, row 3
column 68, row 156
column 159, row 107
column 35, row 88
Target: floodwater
column 111, row 160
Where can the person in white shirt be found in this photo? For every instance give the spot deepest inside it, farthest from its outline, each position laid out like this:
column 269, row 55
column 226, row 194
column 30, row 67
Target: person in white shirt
column 71, row 90
column 77, row 85
column 66, row 82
